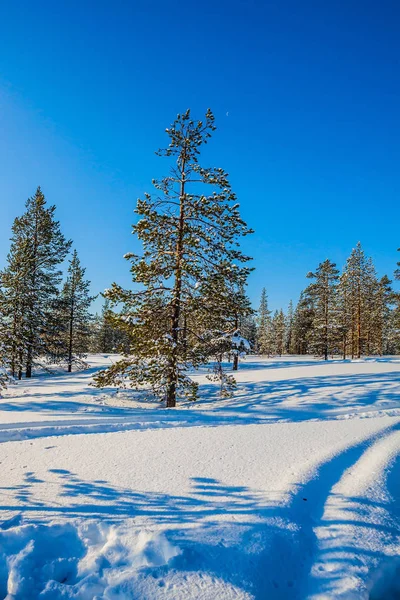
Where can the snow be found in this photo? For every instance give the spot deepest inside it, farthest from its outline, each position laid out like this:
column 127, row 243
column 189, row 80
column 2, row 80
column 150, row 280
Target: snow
column 290, row 489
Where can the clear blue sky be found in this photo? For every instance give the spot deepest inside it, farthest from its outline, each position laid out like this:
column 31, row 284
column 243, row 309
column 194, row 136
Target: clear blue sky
column 306, row 97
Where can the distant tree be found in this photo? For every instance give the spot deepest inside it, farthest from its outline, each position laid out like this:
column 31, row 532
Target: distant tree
column 30, row 280
column 379, row 322
column 278, row 332
column 289, row 337
column 248, row 328
column 361, row 281
column 323, row 291
column 264, row 326
column 303, row 320
column 344, row 312
column 74, row 315
column 13, row 298
column 190, row 239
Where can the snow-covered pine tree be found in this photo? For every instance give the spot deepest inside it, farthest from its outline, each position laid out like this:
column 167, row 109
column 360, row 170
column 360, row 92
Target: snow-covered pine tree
column 187, row 236
column 302, row 326
column 278, row 332
column 30, row 280
column 73, row 313
column 13, row 297
column 105, row 337
column 4, row 354
column 211, row 326
column 289, row 337
column 264, row 326
column 248, row 329
column 323, row 291
column 380, row 322
column 344, row 313
column 361, row 279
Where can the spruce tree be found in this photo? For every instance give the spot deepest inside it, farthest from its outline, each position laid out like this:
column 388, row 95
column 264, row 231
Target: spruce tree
column 13, row 299
column 360, row 281
column 289, row 343
column 302, row 325
column 30, row 280
column 278, row 332
column 344, row 312
column 106, row 336
column 380, row 317
column 73, row 313
column 264, row 326
column 190, row 238
column 323, row 291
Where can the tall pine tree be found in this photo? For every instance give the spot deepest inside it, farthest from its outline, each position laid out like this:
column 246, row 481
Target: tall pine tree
column 30, row 281
column 323, row 291
column 73, row 313
column 188, row 235
column 264, row 326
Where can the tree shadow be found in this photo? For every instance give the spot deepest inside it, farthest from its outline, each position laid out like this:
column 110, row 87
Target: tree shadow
column 294, row 400
column 249, row 538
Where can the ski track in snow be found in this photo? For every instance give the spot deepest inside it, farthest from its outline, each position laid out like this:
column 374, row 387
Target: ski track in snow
column 289, row 490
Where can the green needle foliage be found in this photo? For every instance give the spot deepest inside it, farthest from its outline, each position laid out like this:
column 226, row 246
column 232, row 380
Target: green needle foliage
column 190, row 231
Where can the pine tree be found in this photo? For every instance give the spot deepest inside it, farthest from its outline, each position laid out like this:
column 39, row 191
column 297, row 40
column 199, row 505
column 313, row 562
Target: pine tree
column 264, row 326
column 30, row 281
column 323, row 291
column 303, row 320
column 248, row 328
column 360, row 281
column 344, row 312
column 13, row 299
column 289, row 343
column 4, row 355
column 380, row 316
column 190, row 239
column 278, row 332
column 107, row 335
column 73, row 313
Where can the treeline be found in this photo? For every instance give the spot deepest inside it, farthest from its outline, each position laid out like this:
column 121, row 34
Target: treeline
column 188, row 306
column 350, row 314
column 43, row 315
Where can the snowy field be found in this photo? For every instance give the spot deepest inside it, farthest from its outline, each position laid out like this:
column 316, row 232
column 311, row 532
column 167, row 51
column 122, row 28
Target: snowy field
column 290, row 490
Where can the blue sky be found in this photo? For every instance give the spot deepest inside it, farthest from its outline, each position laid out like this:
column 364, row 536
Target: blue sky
column 306, row 98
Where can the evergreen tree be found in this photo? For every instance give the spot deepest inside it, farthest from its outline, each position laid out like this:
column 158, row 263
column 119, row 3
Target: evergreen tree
column 29, row 283
column 380, row 317
column 4, row 355
column 361, row 280
column 13, row 295
column 344, row 313
column 278, row 332
column 190, row 240
column 248, row 328
column 323, row 291
column 73, row 313
column 303, row 320
column 289, row 343
column 264, row 326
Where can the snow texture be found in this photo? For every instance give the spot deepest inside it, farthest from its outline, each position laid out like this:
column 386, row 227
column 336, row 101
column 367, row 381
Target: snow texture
column 290, row 489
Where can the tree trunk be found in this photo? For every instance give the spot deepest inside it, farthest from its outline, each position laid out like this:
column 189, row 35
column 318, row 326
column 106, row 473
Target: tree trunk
column 28, row 372
column 71, row 336
column 173, row 371
column 235, row 362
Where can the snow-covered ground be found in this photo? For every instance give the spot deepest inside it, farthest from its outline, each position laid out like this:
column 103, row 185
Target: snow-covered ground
column 289, row 490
